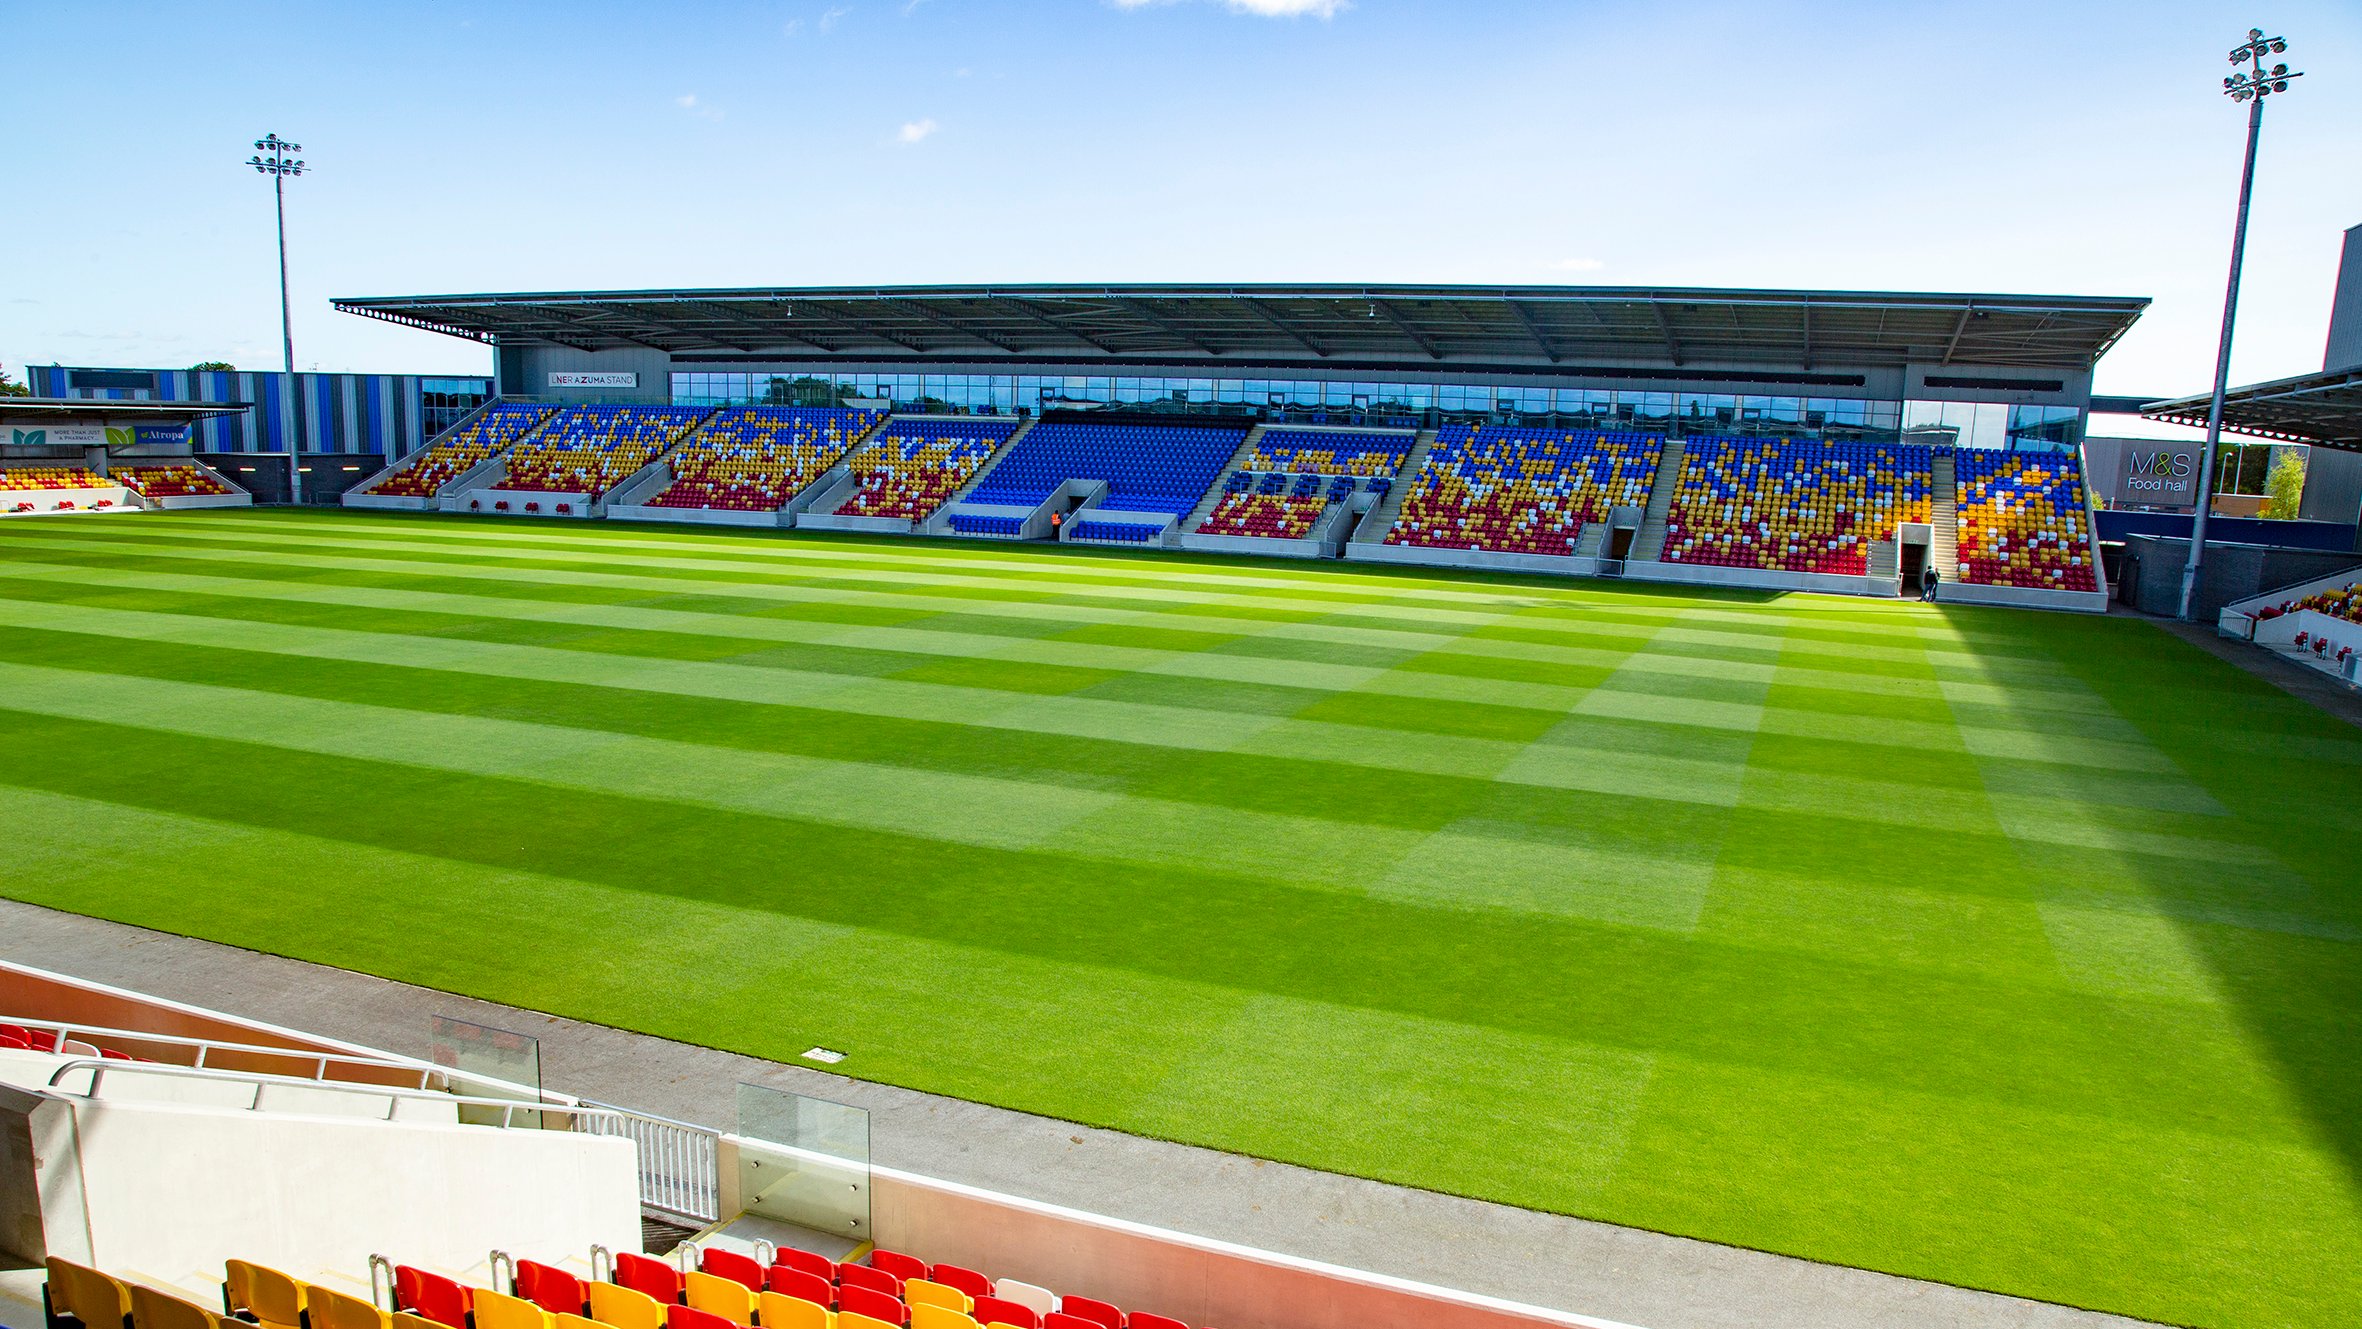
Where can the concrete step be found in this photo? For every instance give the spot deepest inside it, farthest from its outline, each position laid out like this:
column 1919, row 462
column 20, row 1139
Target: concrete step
column 1650, row 543
column 1374, row 527
column 1943, row 541
column 1213, row 495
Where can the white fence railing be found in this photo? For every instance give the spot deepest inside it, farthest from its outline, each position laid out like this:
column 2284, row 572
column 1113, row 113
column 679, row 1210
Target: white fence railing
column 680, row 1164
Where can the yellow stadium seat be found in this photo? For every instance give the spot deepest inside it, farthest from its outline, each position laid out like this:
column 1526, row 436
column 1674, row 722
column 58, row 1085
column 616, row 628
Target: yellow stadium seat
column 274, row 1299
column 624, row 1308
column 151, row 1309
column 405, row 1320
column 925, row 1316
column 780, row 1311
column 331, row 1309
column 848, row 1320
column 716, row 1295
column 88, row 1295
column 496, row 1310
column 920, row 1292
column 565, row 1321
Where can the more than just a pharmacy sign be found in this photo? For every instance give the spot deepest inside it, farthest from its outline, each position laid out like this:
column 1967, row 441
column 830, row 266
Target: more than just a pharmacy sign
column 56, row 436
column 576, row 379
column 2160, row 475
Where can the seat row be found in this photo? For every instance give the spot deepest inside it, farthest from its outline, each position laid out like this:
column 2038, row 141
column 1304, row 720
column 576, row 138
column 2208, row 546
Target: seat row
column 2024, row 520
column 1794, row 505
column 1264, row 515
column 463, row 449
column 1522, row 491
column 1120, row 532
column 174, row 481
column 591, row 449
column 52, row 477
column 913, row 466
column 1147, row 468
column 1330, row 451
column 755, row 460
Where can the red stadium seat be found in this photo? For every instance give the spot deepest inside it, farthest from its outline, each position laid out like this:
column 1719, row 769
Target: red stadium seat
column 1098, row 1312
column 993, row 1310
column 689, row 1317
column 1061, row 1320
column 432, row 1297
column 741, row 1269
column 807, row 1287
column 554, row 1290
column 872, row 1303
column 650, row 1277
column 1143, row 1320
column 966, row 1280
column 876, row 1280
column 808, row 1262
column 904, row 1267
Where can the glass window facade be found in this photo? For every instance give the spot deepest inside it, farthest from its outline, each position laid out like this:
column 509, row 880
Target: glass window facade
column 1405, row 404
column 444, row 402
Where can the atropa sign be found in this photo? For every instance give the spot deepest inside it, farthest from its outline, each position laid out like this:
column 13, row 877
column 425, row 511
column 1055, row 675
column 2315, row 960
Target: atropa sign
column 2160, row 476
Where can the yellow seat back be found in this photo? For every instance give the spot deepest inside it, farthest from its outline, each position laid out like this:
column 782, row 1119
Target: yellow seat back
column 498, row 1310
column 88, row 1295
column 849, row 1320
column 405, row 1320
column 781, row 1311
column 275, row 1299
column 924, row 1315
column 920, row 1292
column 623, row 1308
column 712, row 1293
column 332, row 1309
column 151, row 1309
column 566, row 1321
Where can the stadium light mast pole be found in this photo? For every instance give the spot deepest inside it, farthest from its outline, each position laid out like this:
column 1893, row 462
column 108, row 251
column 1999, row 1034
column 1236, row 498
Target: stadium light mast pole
column 280, row 164
column 2252, row 88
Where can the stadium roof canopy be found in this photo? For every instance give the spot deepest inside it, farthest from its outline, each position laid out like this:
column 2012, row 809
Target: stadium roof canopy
column 2323, row 408
column 1315, row 326
column 83, row 410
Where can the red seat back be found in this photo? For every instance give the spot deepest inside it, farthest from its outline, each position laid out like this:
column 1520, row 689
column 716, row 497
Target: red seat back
column 433, row 1297
column 1143, row 1320
column 741, row 1269
column 554, row 1290
column 796, row 1283
column 1083, row 1308
column 689, row 1317
column 653, row 1277
column 1061, row 1320
column 809, row 1262
column 867, row 1301
column 993, row 1310
column 876, row 1280
column 904, row 1267
column 966, row 1280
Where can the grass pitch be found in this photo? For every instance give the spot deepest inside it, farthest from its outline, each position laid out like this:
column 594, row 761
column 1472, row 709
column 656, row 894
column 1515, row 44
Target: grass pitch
column 2008, row 949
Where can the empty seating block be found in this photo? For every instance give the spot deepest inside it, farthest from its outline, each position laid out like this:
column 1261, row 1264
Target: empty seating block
column 1521, row 491
column 591, row 449
column 755, row 460
column 467, row 446
column 913, row 466
column 2345, row 604
column 169, row 481
column 1793, row 505
column 52, row 477
column 1330, row 451
column 2024, row 520
column 1148, row 468
column 971, row 523
column 1122, row 532
column 1270, row 516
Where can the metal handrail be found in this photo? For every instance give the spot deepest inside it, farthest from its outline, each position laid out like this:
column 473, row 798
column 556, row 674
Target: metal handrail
column 100, row 1068
column 321, row 1060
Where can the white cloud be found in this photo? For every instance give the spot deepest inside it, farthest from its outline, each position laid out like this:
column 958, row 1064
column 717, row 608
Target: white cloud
column 1577, row 265
column 916, row 130
column 687, row 101
column 791, row 27
column 1259, row 8
column 828, row 18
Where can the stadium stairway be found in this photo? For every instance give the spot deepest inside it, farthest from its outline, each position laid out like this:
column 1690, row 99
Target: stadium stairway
column 1944, row 536
column 1591, row 539
column 1214, row 491
column 1380, row 519
column 1650, row 543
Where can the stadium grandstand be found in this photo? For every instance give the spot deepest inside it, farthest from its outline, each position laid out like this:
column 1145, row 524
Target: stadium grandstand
column 1564, row 429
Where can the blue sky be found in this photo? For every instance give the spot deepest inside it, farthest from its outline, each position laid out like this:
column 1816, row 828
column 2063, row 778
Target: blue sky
column 2054, row 147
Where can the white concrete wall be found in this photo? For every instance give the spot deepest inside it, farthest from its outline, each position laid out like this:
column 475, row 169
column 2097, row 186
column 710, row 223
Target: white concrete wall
column 1424, row 556
column 175, row 1190
column 1141, row 1268
column 46, row 500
